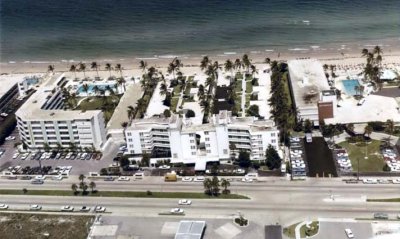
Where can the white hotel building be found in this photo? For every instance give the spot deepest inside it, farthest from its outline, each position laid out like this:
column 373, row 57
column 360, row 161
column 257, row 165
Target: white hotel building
column 199, row 144
column 42, row 120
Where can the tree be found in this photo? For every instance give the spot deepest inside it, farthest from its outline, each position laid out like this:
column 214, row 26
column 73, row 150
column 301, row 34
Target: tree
column 50, row 68
column 225, row 184
column 253, row 110
column 267, row 60
column 190, row 114
column 85, row 88
column 72, row 68
column 246, row 62
column 204, row 63
column 109, row 68
column 118, row 68
column 368, row 130
column 82, row 177
column 121, row 82
column 92, row 186
column 74, row 188
column 24, row 190
column 167, row 113
column 143, row 65
column 207, row 186
column 145, row 160
column 389, row 128
column 350, row 127
column 308, row 126
column 215, row 185
column 124, row 124
column 82, row 67
column 95, row 66
column 46, row 147
column 273, row 160
column 84, row 187
column 244, row 159
column 237, row 65
column 229, row 66
column 131, row 112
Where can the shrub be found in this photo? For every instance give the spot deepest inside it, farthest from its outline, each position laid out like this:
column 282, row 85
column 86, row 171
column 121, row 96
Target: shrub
column 377, row 125
column 190, row 113
column 149, row 193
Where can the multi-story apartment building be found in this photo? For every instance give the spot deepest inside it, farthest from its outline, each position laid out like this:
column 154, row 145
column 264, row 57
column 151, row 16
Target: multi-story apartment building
column 43, row 120
column 189, row 143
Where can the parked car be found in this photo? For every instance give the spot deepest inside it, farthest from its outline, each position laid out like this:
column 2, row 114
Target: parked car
column 123, row 178
column 37, row 181
column 84, row 209
column 380, row 215
column 184, row 202
column 35, row 207
column 3, row 206
column 349, row 233
column 199, row 179
column 67, row 208
column 370, row 181
column 187, row 179
column 396, row 181
column 10, row 138
column 177, row 211
column 99, row 209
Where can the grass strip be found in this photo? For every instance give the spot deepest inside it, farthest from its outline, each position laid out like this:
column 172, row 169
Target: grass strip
column 122, row 194
column 384, row 200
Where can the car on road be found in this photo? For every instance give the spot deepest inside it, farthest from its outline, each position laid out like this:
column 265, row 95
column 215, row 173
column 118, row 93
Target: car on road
column 15, row 155
column 3, row 206
column 177, row 211
column 380, row 215
column 199, row 179
column 383, row 181
column 247, row 180
column 10, row 138
column 396, row 181
column 187, row 179
column 40, row 177
column 109, row 178
column 67, row 208
column 184, row 202
column 35, row 207
column 57, row 178
column 123, row 178
column 349, row 233
column 37, row 181
column 370, row 181
column 164, row 167
column 99, row 209
column 84, row 209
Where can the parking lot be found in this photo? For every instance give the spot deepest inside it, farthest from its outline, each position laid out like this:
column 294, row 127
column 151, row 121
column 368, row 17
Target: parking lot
column 335, row 230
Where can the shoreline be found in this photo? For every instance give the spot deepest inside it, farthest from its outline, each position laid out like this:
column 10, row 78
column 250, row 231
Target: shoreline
column 343, row 57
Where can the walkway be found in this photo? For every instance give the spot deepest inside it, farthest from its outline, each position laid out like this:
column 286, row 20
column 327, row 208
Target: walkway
column 243, row 103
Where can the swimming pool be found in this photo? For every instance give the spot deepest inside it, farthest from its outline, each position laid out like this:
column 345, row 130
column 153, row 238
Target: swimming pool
column 349, row 86
column 91, row 86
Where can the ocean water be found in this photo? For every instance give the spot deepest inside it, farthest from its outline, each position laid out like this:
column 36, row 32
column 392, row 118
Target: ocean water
column 92, row 29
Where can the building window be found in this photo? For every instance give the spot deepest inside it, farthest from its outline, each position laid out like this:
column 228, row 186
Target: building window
column 132, row 151
column 272, row 134
column 192, row 141
column 205, row 132
column 260, row 148
column 208, row 151
column 131, row 146
column 129, row 134
column 175, row 155
column 191, row 135
column 225, row 151
column 129, row 140
column 192, row 147
column 207, row 145
column 273, row 141
column 143, row 145
column 193, row 153
column 207, row 139
column 141, row 134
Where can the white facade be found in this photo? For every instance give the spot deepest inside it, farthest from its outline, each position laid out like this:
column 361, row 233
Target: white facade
column 189, row 143
column 42, row 120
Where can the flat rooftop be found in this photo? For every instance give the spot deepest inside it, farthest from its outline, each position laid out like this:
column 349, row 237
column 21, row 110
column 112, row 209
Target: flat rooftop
column 190, row 230
column 308, row 80
column 32, row 108
column 8, row 81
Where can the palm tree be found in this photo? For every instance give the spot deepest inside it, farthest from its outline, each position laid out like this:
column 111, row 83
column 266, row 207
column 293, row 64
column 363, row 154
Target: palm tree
column 118, row 68
column 50, row 68
column 96, row 89
column 74, row 188
column 237, row 65
column 143, row 65
column 82, row 67
column 95, row 66
column 72, row 68
column 326, row 67
column 84, row 187
column 364, row 52
column 131, row 112
column 253, row 70
column 82, row 177
column 207, row 186
column 204, row 63
column 124, row 125
column 368, row 130
column 163, row 88
column 121, row 82
column 109, row 68
column 171, row 68
column 378, row 50
column 85, row 88
column 268, row 60
column 225, row 184
column 246, row 62
column 228, row 66
column 201, row 92
column 92, row 186
column 389, row 128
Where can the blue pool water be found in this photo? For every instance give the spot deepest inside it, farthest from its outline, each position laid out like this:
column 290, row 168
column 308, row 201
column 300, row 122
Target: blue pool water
column 349, row 86
column 101, row 87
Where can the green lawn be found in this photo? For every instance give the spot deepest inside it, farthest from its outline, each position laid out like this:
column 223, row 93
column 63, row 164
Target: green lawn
column 291, row 230
column 249, row 87
column 375, row 161
column 174, row 103
column 384, row 200
column 239, row 75
column 238, row 86
column 123, row 194
column 96, row 103
column 238, row 102
column 247, row 104
column 177, row 90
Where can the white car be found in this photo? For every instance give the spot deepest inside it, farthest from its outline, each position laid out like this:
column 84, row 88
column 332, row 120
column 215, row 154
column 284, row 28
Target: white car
column 99, row 209
column 199, row 179
column 177, row 211
column 123, row 178
column 10, row 138
column 57, row 178
column 35, row 207
column 349, row 233
column 164, row 167
column 67, row 209
column 15, row 155
column 3, row 206
column 40, row 177
column 370, row 181
column 187, row 179
column 247, row 180
column 396, row 181
column 184, row 202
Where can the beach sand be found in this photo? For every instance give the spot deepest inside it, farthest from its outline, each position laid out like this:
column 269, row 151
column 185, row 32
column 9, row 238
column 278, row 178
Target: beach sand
column 191, row 64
